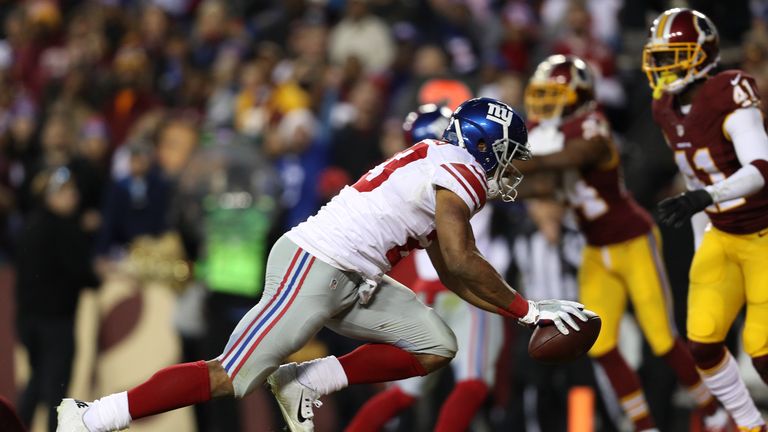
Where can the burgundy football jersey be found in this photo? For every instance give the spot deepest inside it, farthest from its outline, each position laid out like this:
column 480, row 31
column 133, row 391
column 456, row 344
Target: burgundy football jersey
column 607, row 212
column 703, row 152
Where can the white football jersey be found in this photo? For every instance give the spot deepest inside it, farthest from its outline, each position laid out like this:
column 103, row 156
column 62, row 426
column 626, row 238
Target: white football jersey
column 369, row 226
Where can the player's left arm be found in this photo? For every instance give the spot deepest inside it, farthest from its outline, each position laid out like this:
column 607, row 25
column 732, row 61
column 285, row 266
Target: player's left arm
column 746, row 131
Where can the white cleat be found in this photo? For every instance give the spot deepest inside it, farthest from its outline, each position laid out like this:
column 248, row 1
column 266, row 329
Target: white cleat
column 70, row 416
column 294, row 398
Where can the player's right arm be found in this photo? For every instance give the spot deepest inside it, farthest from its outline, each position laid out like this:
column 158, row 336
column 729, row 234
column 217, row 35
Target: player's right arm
column 455, row 284
column 592, row 148
column 579, row 152
column 463, row 270
column 543, row 184
column 746, row 130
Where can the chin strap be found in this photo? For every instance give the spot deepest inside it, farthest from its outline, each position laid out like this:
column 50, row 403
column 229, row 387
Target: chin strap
column 662, row 82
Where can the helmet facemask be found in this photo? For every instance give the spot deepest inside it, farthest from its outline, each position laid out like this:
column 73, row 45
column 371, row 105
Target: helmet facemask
column 670, row 67
column 506, row 177
column 545, row 101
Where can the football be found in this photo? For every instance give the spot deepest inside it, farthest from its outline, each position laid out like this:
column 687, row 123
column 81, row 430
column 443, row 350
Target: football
column 549, row 346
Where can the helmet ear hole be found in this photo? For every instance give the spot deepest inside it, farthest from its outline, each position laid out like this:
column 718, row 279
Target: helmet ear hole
column 481, row 146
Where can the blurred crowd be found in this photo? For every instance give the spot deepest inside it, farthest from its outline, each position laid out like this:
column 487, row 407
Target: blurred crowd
column 176, row 139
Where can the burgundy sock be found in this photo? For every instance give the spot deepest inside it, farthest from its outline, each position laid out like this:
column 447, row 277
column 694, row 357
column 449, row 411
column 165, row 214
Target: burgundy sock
column 9, row 420
column 461, row 405
column 626, row 384
column 373, row 363
column 681, row 362
column 379, row 410
column 170, row 388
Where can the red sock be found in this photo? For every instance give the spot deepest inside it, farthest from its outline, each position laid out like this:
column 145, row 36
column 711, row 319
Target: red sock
column 373, row 363
column 626, row 384
column 461, row 405
column 681, row 362
column 170, row 388
column 379, row 410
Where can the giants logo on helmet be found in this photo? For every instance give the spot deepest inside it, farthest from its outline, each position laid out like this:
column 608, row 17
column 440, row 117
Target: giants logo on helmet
column 499, row 114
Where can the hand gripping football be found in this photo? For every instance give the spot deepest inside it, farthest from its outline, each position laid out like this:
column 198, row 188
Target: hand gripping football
column 549, row 346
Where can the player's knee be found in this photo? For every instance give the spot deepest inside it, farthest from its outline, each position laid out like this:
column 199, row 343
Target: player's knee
column 703, row 325
column 437, row 345
column 450, row 345
column 443, row 340
column 706, row 355
column 761, row 366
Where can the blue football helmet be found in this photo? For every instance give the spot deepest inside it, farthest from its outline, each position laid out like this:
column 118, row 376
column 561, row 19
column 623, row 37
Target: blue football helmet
column 494, row 134
column 427, row 122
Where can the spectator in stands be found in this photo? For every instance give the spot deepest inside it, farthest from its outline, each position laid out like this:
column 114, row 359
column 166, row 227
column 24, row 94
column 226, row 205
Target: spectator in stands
column 251, row 113
column 220, row 107
column 93, row 145
column 755, row 61
column 355, row 36
column 53, row 266
column 355, row 143
column 135, row 205
column 506, row 87
column 132, row 95
column 138, row 204
column 18, row 120
column 578, row 39
column 154, row 29
column 213, row 27
column 519, row 33
column 176, row 141
column 58, row 142
column 432, row 81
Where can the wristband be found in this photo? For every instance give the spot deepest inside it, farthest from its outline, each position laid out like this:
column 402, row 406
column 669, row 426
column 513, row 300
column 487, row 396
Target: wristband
column 517, row 309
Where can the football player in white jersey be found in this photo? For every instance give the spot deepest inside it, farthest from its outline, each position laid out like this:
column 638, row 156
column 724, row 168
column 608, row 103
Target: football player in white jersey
column 324, row 273
column 479, row 334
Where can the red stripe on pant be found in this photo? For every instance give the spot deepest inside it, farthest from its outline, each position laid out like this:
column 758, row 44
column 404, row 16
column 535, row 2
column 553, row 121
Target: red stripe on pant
column 272, row 300
column 272, row 324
